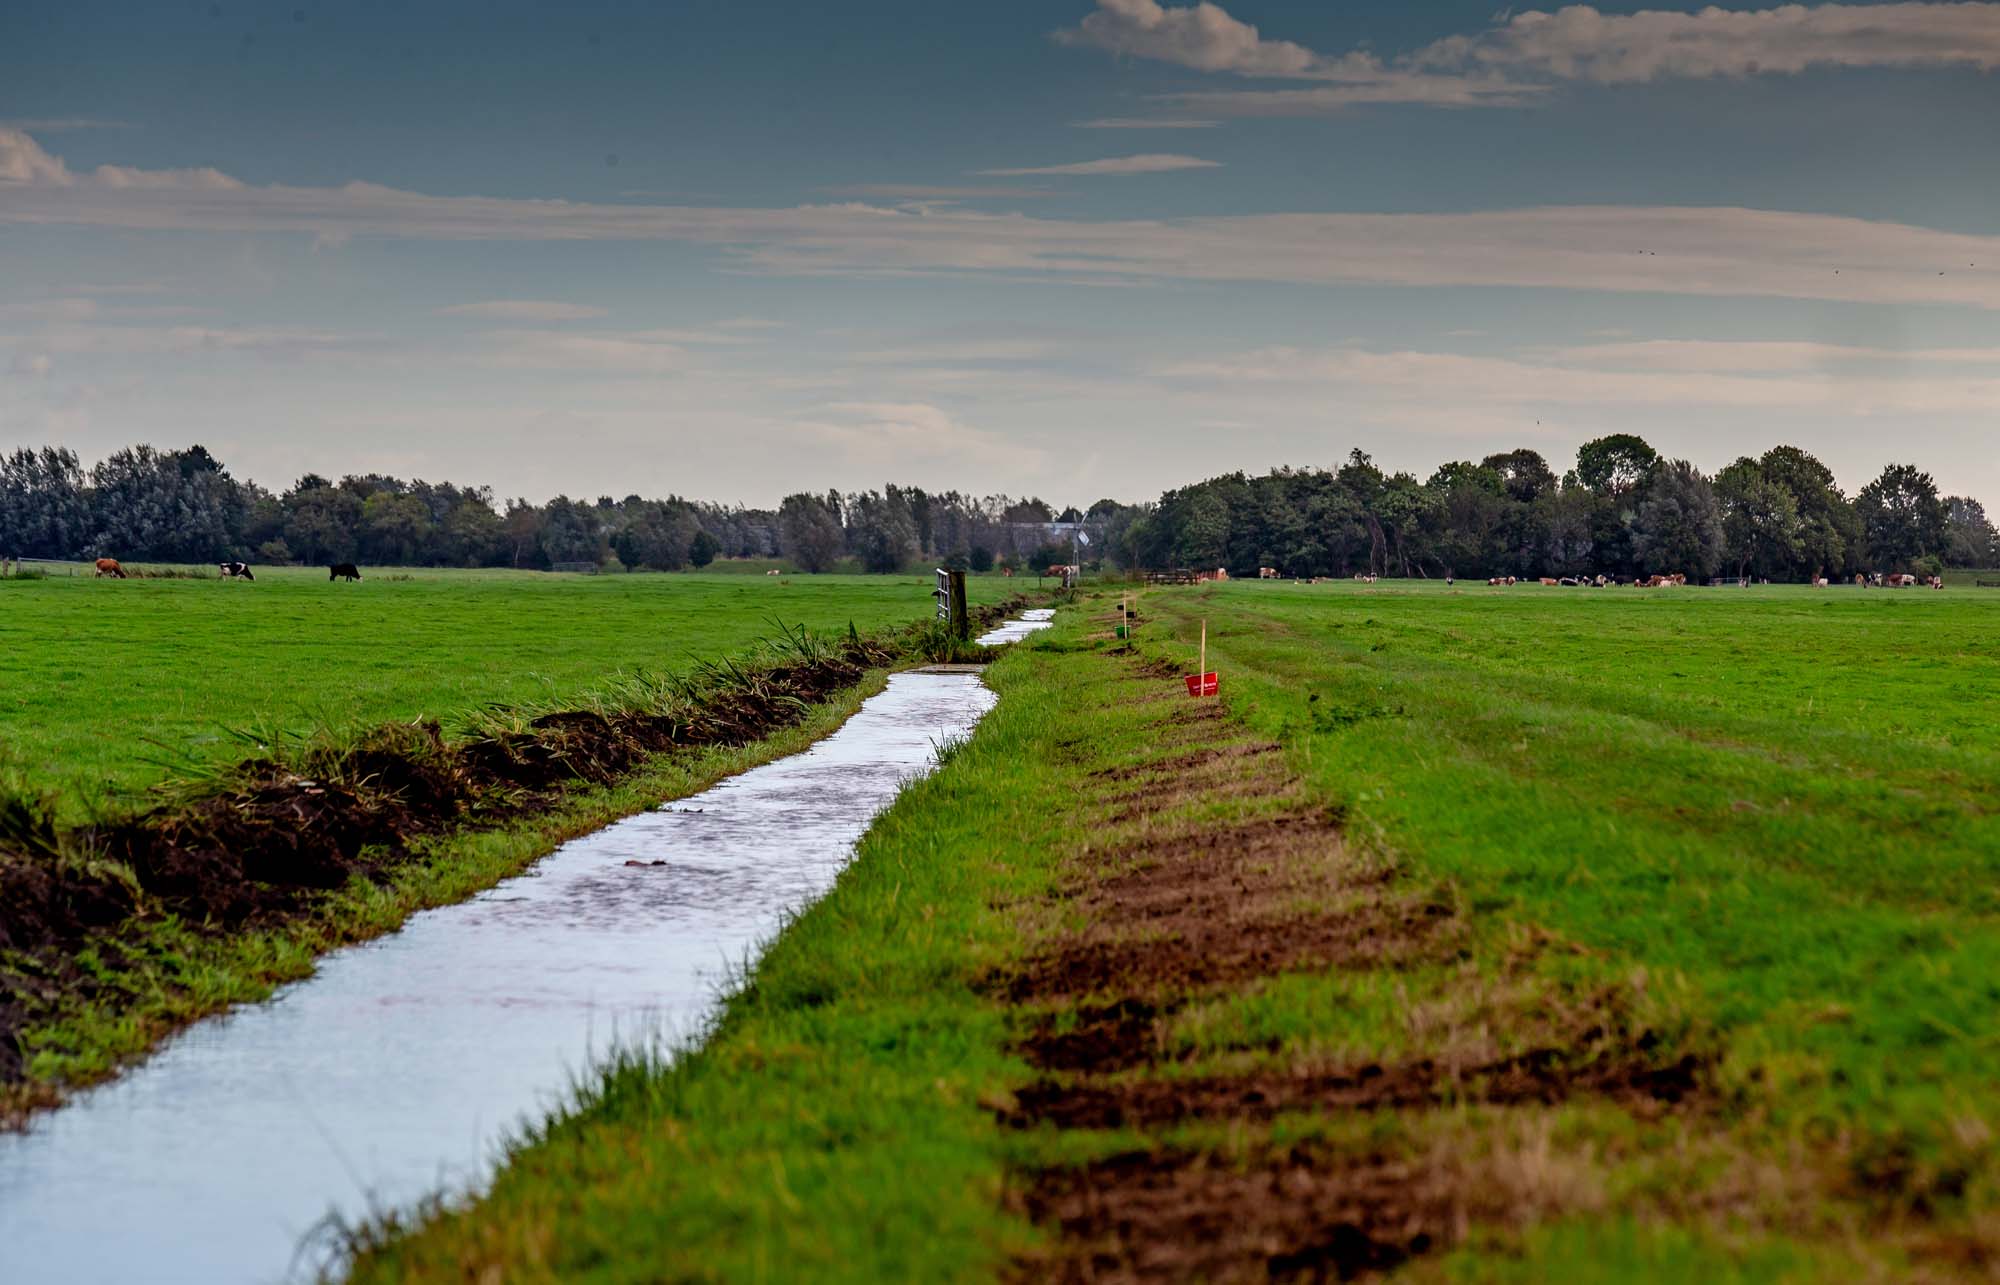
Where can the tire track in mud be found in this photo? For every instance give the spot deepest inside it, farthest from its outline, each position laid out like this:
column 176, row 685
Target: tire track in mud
column 1211, row 872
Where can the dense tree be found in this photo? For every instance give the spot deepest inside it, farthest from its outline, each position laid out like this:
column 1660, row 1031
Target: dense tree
column 571, row 531
column 1760, row 521
column 1969, row 537
column 1678, row 529
column 44, row 511
column 881, row 531
column 1902, row 517
column 321, row 521
column 809, row 532
column 1614, row 466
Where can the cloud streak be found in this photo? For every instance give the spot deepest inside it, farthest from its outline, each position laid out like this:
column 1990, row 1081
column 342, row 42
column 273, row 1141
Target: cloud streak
column 523, row 310
column 1525, row 55
column 1149, row 163
column 1713, row 251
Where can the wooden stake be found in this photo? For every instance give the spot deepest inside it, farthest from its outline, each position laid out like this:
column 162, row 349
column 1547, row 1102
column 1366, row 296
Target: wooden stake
column 1202, row 669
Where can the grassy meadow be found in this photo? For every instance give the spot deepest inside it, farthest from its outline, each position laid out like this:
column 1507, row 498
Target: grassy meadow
column 1591, row 935
column 106, row 686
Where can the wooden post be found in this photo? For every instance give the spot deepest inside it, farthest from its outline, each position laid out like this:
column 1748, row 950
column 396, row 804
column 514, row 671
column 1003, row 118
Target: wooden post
column 961, row 619
column 1202, row 668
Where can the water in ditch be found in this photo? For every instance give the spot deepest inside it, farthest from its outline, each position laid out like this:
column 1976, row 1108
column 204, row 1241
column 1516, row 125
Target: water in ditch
column 399, row 1068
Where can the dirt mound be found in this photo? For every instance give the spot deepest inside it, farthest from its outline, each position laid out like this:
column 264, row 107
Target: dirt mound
column 1191, row 909
column 1300, row 1214
column 1546, row 1075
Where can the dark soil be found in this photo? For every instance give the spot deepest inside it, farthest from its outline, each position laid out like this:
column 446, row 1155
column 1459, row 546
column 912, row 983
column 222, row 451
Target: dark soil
column 1295, row 1215
column 1171, row 906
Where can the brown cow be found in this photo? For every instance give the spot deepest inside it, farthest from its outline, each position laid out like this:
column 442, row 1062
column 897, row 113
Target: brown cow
column 110, row 567
column 1549, row 580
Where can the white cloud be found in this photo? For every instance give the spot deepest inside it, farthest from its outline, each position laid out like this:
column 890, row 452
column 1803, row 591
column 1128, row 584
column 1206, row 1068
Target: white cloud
column 33, row 365
column 1579, row 43
column 24, row 161
column 1523, row 55
column 523, row 310
column 1716, row 251
column 1150, row 163
column 1202, row 36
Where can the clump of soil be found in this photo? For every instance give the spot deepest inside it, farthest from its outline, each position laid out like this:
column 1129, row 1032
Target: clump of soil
column 1175, row 905
column 1298, row 1214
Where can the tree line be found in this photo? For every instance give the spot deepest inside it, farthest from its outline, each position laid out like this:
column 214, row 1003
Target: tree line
column 147, row 505
column 1621, row 509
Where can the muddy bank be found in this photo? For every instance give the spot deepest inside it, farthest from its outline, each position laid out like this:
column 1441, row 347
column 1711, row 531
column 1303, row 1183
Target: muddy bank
column 401, row 1067
column 260, row 846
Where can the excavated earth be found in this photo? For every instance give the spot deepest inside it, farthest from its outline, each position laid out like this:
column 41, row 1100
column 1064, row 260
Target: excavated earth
column 1212, row 873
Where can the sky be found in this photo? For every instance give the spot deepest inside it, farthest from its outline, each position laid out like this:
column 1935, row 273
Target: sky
column 731, row 249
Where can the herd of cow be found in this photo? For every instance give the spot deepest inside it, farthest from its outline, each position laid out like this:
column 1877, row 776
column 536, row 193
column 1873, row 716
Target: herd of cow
column 109, row 568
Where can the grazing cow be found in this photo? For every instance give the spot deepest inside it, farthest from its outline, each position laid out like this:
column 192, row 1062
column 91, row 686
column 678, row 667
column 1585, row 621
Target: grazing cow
column 1267, row 573
column 1902, row 582
column 772, row 572
column 110, row 567
column 1550, row 581
column 343, row 571
column 235, row 570
column 1600, row 582
column 1819, row 582
column 1569, row 582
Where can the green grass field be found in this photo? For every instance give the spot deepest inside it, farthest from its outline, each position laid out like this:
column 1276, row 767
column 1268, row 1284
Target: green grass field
column 1747, row 838
column 108, row 685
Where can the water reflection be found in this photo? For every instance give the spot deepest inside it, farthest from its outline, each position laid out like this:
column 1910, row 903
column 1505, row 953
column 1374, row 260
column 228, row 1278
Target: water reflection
column 397, row 1068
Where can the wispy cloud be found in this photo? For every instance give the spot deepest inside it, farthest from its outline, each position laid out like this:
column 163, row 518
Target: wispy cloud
column 1762, row 355
column 887, row 436
column 1523, row 55
column 933, row 192
column 64, row 124
column 1415, row 378
column 1150, row 163
column 1718, row 251
column 523, row 310
column 1140, row 122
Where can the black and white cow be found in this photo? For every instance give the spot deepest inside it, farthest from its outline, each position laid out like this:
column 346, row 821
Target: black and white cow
column 235, row 571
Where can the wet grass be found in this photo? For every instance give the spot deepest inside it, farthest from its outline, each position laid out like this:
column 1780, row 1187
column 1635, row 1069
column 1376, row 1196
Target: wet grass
column 1744, row 834
column 109, row 686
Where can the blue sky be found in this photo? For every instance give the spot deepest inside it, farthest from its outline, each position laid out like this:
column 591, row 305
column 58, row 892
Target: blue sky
column 1075, row 247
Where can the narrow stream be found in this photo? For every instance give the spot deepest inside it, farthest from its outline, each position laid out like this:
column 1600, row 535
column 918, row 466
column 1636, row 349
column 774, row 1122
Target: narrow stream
column 400, row 1067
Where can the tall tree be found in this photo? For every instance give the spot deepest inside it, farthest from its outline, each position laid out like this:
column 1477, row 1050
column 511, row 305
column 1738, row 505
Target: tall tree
column 1760, row 521
column 1902, row 515
column 1969, row 536
column 1678, row 528
column 809, row 532
column 44, row 512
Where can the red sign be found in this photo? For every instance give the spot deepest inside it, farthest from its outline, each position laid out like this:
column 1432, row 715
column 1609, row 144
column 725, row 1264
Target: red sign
column 1203, row 684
